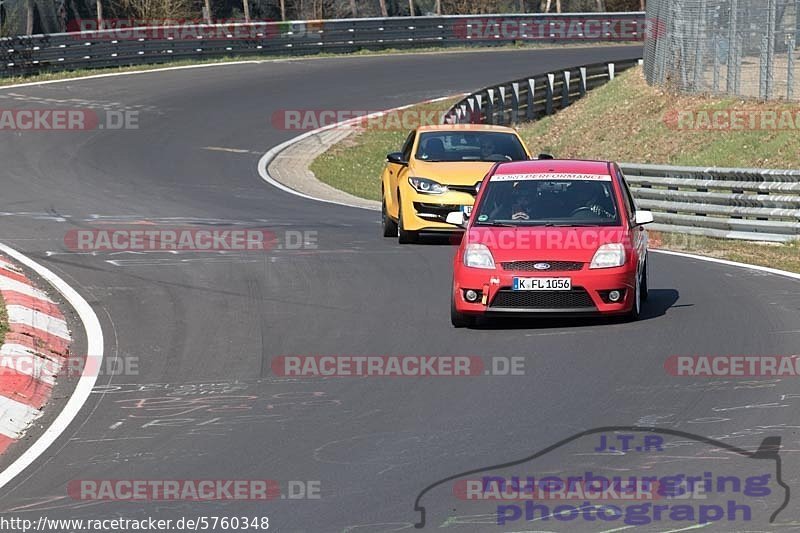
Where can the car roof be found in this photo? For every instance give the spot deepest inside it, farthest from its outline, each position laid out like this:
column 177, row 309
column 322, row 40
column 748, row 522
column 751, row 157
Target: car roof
column 464, row 127
column 555, row 166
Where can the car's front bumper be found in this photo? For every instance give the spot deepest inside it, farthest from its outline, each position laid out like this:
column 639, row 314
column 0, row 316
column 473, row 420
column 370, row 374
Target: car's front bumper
column 588, row 296
column 427, row 212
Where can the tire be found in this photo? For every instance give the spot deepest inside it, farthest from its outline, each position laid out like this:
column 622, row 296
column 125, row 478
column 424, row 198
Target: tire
column 645, row 291
column 459, row 320
column 636, row 308
column 389, row 225
column 403, row 236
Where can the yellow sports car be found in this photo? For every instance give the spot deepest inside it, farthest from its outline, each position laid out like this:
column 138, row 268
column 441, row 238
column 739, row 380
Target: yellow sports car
column 438, row 171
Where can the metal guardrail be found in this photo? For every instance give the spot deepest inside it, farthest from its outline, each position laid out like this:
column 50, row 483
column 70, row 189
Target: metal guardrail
column 533, row 97
column 751, row 204
column 133, row 46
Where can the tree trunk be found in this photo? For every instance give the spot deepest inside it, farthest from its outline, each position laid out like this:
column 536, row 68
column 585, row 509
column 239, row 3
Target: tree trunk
column 246, row 7
column 438, row 7
column 29, row 23
column 283, row 10
column 642, row 4
column 558, row 6
column 353, row 9
column 601, row 8
column 410, row 8
column 207, row 11
column 384, row 12
column 99, row 9
column 547, row 6
column 522, row 6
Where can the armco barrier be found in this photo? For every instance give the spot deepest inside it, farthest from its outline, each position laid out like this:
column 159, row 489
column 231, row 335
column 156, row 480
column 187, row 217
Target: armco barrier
column 128, row 46
column 751, row 204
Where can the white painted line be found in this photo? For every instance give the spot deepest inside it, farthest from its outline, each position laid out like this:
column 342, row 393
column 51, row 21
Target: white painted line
column 8, row 284
column 18, row 314
column 270, row 156
column 725, row 262
column 23, row 360
column 15, row 417
column 94, row 336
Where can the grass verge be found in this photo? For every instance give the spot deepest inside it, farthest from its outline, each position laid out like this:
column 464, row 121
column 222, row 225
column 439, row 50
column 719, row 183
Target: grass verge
column 354, row 165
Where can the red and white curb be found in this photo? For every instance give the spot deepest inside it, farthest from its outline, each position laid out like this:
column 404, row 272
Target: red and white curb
column 34, row 351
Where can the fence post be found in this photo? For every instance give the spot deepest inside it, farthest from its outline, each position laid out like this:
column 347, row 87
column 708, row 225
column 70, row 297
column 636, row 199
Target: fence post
column 790, row 67
column 730, row 82
column 479, row 103
column 565, row 89
column 490, row 106
column 763, row 90
column 471, row 110
column 502, row 105
column 548, row 105
column 715, row 82
column 611, row 71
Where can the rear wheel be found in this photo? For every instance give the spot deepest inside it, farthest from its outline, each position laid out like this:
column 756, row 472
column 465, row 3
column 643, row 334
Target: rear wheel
column 389, row 225
column 403, row 236
column 460, row 320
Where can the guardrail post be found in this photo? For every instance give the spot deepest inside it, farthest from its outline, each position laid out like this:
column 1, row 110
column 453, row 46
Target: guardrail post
column 611, row 71
column 514, row 102
column 490, row 106
column 565, row 89
column 471, row 110
column 479, row 104
column 529, row 111
column 501, row 105
column 548, row 94
column 583, row 81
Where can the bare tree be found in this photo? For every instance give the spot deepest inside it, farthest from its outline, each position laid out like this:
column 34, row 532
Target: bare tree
column 558, row 6
column 438, row 7
column 29, row 22
column 384, row 11
column 601, row 6
column 522, row 6
column 207, row 11
column 353, row 9
column 246, row 8
column 411, row 8
column 283, row 10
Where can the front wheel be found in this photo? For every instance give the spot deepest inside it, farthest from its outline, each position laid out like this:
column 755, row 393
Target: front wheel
column 636, row 309
column 389, row 225
column 404, row 236
column 459, row 320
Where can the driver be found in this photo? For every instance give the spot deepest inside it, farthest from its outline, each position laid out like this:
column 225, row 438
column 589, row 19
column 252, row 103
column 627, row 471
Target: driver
column 521, row 205
column 487, row 147
column 587, row 197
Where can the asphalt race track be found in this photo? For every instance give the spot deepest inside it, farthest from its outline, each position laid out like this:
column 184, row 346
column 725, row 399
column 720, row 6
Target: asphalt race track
column 205, row 327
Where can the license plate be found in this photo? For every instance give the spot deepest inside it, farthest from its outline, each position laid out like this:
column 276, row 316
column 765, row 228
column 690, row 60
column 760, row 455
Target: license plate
column 466, row 209
column 542, row 284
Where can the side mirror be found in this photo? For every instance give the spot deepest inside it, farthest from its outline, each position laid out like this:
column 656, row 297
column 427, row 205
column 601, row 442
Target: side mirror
column 544, row 155
column 396, row 157
column 456, row 218
column 643, row 217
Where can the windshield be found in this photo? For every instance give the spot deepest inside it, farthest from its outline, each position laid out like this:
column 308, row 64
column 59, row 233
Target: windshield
column 470, row 146
column 537, row 200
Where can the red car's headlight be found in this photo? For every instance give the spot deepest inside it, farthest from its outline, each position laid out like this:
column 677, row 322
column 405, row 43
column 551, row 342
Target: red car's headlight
column 478, row 256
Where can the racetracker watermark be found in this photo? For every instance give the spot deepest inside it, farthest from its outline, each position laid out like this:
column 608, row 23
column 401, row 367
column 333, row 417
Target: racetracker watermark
column 396, row 366
column 131, row 29
column 747, row 119
column 557, row 29
column 192, row 489
column 362, row 119
column 532, row 238
column 67, row 120
column 733, row 366
column 48, row 369
column 228, row 239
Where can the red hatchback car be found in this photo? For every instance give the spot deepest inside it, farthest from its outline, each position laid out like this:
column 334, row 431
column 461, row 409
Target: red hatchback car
column 551, row 237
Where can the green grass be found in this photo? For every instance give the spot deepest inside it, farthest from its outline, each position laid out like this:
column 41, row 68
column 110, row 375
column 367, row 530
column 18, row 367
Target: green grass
column 781, row 256
column 355, row 164
column 627, row 120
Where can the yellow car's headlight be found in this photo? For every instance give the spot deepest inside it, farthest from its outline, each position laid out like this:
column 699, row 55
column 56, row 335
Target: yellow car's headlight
column 426, row 186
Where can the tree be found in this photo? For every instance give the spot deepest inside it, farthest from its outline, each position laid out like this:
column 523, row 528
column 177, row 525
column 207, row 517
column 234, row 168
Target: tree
column 353, row 9
column 384, row 11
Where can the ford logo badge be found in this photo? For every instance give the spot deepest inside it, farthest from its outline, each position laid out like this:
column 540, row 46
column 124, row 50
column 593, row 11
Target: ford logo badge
column 542, row 266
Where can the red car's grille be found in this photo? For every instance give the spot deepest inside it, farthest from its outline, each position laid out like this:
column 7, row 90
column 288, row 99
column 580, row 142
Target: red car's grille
column 576, row 298
column 555, row 266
